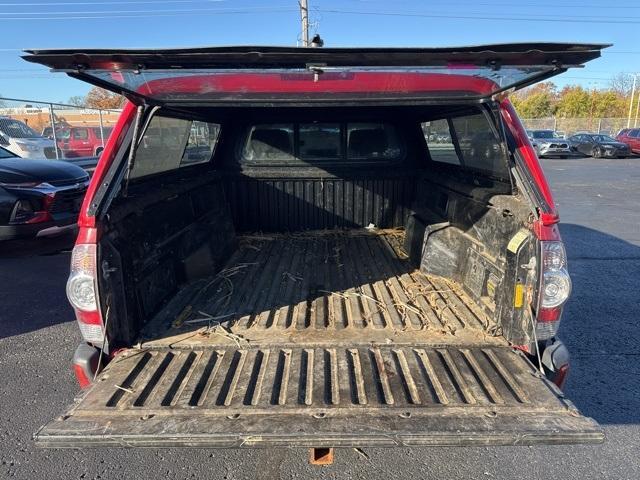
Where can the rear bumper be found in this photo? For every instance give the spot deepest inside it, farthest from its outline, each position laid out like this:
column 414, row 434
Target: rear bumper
column 32, row 230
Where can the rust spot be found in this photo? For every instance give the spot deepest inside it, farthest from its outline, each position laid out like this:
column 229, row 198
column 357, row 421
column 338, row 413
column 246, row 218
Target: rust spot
column 321, row 456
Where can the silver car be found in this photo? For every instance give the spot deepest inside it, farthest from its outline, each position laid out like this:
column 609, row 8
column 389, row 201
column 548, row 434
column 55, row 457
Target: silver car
column 548, row 144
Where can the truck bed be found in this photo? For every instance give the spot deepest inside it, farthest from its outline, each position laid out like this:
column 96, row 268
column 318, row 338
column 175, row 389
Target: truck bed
column 320, row 287
column 320, row 339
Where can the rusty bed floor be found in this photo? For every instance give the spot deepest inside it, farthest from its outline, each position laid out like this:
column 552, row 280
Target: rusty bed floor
column 321, row 288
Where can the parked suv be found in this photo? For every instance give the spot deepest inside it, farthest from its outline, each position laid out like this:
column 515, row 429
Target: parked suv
column 318, row 247
column 631, row 137
column 19, row 138
column 82, row 141
column 38, row 198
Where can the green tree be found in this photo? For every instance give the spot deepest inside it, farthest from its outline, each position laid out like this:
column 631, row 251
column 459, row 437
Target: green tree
column 607, row 104
column 574, row 101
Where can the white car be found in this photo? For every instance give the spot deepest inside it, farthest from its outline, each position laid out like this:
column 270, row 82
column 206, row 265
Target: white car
column 19, row 138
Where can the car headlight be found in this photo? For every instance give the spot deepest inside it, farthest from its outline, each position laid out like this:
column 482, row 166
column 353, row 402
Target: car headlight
column 25, row 147
column 609, row 147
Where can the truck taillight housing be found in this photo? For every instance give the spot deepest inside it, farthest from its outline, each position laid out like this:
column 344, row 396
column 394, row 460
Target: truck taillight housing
column 82, row 293
column 555, row 287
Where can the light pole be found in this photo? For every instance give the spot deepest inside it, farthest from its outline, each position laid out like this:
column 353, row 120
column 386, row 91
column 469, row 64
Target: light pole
column 633, row 92
column 635, row 121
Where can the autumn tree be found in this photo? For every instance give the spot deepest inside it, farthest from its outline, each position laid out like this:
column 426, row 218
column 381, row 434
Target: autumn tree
column 101, row 98
column 537, row 101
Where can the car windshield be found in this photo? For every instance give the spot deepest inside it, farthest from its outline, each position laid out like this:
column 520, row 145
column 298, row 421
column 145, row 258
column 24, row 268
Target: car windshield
column 6, row 153
column 543, row 134
column 603, row 138
column 15, row 129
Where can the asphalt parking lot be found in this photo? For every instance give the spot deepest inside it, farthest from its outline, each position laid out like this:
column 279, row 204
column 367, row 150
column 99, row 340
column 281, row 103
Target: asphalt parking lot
column 599, row 202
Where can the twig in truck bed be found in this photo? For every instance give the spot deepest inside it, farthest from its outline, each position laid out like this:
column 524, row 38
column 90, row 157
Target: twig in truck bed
column 214, row 328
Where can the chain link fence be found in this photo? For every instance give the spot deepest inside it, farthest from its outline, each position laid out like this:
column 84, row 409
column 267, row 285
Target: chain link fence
column 33, row 129
column 570, row 126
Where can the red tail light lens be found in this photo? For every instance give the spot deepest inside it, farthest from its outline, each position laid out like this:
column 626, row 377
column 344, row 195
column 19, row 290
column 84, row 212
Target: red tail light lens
column 82, row 291
column 555, row 288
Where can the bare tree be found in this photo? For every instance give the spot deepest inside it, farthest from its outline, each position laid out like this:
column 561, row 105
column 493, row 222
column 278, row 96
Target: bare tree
column 77, row 100
column 621, row 84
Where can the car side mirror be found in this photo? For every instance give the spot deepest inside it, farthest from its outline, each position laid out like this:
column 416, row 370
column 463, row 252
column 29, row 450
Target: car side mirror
column 3, row 140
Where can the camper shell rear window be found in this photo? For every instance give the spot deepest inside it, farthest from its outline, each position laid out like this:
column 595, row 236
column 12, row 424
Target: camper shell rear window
column 326, row 141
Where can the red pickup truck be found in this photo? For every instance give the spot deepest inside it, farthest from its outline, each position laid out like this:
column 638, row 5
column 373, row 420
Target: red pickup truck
column 82, row 141
column 274, row 250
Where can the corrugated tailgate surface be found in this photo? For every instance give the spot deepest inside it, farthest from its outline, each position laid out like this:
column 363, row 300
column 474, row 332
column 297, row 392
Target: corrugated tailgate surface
column 315, row 396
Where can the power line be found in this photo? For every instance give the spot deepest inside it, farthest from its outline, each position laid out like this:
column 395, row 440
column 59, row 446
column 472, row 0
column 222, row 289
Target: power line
column 468, row 17
column 537, row 5
column 154, row 14
column 125, row 2
column 187, row 10
column 304, row 13
column 142, row 2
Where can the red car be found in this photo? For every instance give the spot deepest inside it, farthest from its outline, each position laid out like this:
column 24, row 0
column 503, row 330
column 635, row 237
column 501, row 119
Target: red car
column 274, row 251
column 82, row 141
column 630, row 136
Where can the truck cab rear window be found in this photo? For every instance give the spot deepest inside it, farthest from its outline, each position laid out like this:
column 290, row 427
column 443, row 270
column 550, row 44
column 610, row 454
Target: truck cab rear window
column 172, row 143
column 467, row 141
column 336, row 142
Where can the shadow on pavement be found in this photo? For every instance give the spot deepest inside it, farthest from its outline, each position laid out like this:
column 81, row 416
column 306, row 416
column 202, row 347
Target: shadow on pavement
column 600, row 325
column 33, row 274
column 30, row 247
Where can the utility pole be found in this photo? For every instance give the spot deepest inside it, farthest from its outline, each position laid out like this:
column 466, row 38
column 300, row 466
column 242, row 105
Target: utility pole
column 633, row 92
column 304, row 15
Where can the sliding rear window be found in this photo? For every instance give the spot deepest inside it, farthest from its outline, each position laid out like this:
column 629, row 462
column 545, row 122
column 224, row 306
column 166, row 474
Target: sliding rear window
column 317, row 142
column 468, row 141
column 172, row 143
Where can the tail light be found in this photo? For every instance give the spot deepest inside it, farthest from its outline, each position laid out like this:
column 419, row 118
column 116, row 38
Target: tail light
column 82, row 292
column 555, row 287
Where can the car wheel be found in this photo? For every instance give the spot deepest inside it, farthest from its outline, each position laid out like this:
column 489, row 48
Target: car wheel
column 596, row 153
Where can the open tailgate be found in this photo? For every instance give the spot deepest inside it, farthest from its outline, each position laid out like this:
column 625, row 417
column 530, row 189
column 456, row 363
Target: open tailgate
column 301, row 396
column 280, row 74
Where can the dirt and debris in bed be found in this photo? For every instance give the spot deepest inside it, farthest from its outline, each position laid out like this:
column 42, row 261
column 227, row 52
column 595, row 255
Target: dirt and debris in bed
column 322, row 287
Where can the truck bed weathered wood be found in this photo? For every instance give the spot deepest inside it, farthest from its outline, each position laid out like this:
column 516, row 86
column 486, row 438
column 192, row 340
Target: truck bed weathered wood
column 329, row 287
column 320, row 397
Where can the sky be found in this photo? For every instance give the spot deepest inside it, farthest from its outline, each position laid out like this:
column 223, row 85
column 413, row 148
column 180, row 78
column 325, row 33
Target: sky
column 188, row 23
